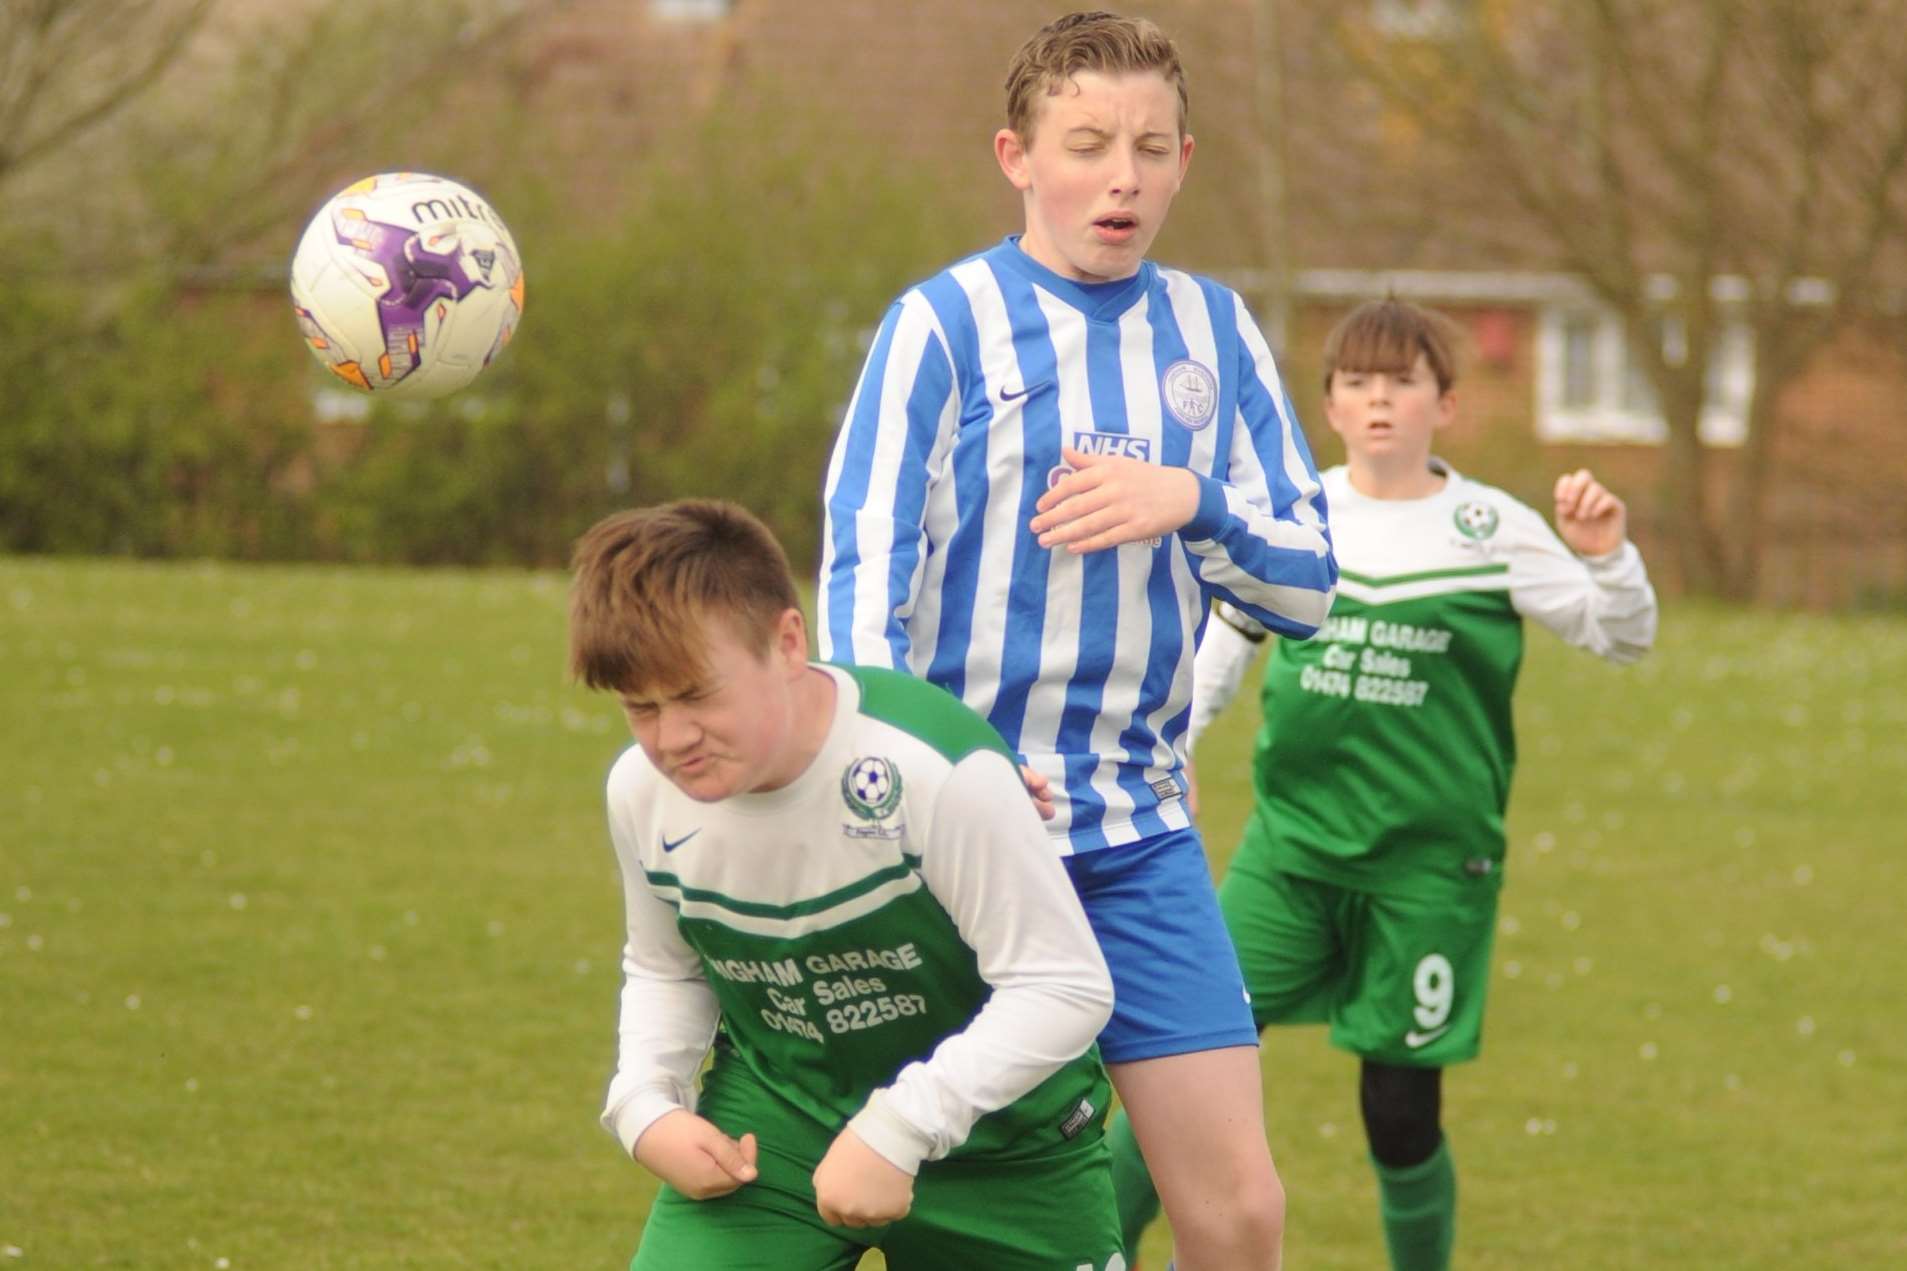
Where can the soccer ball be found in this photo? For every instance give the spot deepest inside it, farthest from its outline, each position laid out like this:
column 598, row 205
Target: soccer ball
column 406, row 285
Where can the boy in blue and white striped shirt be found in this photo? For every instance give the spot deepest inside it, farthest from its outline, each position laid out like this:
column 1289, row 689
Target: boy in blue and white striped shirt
column 1058, row 453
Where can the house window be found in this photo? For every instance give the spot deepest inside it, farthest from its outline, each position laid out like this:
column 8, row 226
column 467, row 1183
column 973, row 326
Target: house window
column 333, row 405
column 1638, row 394
column 1591, row 386
column 1579, row 361
column 1415, row 19
column 690, row 10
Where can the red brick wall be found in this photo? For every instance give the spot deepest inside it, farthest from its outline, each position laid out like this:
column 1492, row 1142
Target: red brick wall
column 1837, row 505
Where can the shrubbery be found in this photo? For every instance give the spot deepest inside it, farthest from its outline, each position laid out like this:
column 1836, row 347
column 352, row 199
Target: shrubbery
column 702, row 341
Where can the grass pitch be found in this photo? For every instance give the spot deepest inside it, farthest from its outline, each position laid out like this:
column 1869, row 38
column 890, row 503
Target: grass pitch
column 308, row 940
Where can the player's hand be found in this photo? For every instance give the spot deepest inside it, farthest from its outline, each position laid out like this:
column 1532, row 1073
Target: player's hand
column 1112, row 499
column 855, row 1186
column 1590, row 519
column 1191, row 789
column 693, row 1156
column 1040, row 790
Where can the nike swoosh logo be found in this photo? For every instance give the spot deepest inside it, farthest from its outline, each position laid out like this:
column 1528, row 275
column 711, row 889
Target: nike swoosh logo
column 670, row 847
column 1008, row 395
column 1414, row 1039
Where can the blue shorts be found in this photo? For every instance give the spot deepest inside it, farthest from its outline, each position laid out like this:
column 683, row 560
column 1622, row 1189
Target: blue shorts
column 1176, row 985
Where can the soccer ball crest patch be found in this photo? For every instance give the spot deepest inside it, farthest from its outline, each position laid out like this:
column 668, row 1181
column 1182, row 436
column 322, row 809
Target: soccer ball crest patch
column 871, row 786
column 1475, row 520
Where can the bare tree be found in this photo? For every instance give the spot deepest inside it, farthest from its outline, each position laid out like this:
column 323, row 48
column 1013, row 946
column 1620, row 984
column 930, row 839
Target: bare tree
column 68, row 66
column 184, row 134
column 306, row 100
column 1692, row 141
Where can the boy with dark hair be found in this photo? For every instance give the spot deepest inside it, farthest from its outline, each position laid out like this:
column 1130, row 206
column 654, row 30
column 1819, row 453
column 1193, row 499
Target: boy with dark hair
column 1364, row 889
column 834, row 878
column 1057, row 454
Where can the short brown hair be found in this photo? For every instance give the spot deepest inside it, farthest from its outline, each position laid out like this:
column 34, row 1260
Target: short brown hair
column 647, row 580
column 1096, row 41
column 1387, row 335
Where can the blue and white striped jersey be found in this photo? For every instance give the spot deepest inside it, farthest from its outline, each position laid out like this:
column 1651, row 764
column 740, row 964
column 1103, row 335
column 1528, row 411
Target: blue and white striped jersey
column 1084, row 663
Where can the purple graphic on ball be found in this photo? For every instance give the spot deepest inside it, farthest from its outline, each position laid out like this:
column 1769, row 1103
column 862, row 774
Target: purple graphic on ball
column 418, row 278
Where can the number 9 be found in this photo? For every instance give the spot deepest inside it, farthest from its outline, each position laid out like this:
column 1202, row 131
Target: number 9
column 1436, row 987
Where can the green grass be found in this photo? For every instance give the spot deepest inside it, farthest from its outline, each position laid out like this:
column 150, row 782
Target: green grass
column 1696, row 1052
column 308, row 938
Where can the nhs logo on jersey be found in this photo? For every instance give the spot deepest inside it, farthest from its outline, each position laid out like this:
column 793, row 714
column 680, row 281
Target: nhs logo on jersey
column 1113, row 443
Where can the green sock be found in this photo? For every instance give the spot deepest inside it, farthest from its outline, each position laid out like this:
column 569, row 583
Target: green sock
column 1419, row 1208
column 1131, row 1184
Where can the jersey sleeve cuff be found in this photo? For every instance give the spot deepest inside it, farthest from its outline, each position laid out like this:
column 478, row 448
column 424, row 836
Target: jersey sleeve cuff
column 637, row 1113
column 897, row 1142
column 1212, row 512
column 1615, row 562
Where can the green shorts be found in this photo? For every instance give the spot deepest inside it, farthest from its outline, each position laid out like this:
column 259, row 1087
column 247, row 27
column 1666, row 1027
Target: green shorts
column 1047, row 1212
column 1400, row 980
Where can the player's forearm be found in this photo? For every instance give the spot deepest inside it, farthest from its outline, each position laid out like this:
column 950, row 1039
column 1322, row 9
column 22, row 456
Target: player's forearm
column 665, row 1031
column 1279, row 570
column 988, row 865
column 1265, row 545
column 1022, row 1036
column 1603, row 605
column 1627, row 611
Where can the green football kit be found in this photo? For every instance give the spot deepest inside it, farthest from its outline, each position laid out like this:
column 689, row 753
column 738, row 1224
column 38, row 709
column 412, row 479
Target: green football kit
column 1363, row 891
column 888, row 943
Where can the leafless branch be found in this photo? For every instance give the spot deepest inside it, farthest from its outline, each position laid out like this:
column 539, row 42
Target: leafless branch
column 57, row 39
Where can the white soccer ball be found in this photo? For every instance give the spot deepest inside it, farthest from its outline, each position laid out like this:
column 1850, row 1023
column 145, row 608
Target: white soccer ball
column 406, row 285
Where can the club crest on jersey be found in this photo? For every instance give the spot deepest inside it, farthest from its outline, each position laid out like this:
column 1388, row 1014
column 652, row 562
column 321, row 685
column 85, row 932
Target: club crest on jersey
column 871, row 786
column 1475, row 520
column 1112, row 443
column 1191, row 393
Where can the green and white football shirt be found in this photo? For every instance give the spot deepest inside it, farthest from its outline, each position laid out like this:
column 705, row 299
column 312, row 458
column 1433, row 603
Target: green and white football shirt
column 1385, row 757
column 888, row 939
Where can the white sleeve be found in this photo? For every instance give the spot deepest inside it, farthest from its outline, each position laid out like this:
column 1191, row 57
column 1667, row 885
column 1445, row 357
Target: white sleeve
column 990, row 864
column 1232, row 639
column 668, row 1015
column 1600, row 603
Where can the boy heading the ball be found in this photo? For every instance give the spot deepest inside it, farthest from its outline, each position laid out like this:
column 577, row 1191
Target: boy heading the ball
column 836, row 880
column 1057, row 454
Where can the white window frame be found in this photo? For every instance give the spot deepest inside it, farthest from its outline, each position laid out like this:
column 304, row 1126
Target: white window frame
column 333, row 404
column 705, row 11
column 1611, row 412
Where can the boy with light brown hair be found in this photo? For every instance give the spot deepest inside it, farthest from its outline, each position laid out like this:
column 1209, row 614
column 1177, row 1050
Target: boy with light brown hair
column 1364, row 890
column 1058, row 455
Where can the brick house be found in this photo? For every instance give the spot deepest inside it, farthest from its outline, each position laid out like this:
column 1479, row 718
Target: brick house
column 1308, row 196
